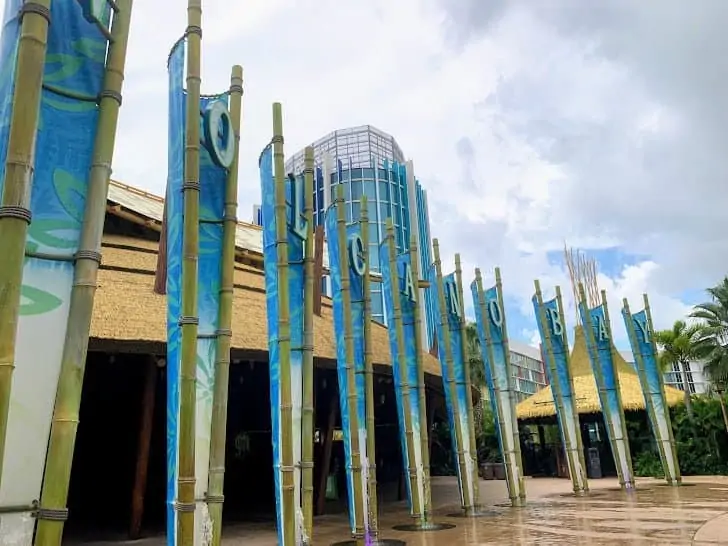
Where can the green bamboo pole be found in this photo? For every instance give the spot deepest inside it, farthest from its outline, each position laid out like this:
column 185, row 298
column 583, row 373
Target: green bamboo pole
column 424, row 432
column 482, row 304
column 398, row 325
column 59, row 457
column 511, row 392
column 218, row 431
column 284, row 335
column 620, row 407
column 468, row 385
column 596, row 367
column 185, row 505
column 567, row 358
column 369, row 376
column 556, row 387
column 15, row 206
column 452, row 383
column 308, row 408
column 642, row 372
column 351, row 395
column 673, row 448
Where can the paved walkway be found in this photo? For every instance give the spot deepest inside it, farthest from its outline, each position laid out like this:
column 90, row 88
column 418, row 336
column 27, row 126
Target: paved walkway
column 696, row 513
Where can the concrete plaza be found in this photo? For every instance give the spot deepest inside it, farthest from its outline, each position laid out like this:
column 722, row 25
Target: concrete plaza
column 696, row 513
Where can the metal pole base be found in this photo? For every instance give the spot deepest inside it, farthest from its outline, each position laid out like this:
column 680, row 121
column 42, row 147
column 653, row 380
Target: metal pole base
column 373, row 542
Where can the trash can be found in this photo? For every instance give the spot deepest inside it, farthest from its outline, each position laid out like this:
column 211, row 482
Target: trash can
column 593, row 464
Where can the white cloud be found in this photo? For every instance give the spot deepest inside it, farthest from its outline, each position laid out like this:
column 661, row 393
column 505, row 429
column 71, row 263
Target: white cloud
column 526, row 130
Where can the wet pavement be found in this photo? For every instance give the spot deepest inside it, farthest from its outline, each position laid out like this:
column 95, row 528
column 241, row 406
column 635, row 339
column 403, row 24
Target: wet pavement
column 695, row 513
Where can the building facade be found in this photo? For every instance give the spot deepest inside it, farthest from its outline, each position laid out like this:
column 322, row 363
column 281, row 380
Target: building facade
column 697, row 382
column 369, row 163
column 527, row 370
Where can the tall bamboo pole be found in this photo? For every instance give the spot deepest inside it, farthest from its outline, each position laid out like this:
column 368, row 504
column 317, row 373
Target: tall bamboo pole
column 468, row 385
column 369, row 376
column 483, row 305
column 424, row 423
column 351, row 394
column 15, row 205
column 620, row 407
column 59, row 457
column 556, row 387
column 284, row 335
column 567, row 359
column 599, row 376
column 511, row 391
column 218, row 430
column 451, row 380
column 665, row 409
column 404, row 386
column 308, row 408
column 185, row 505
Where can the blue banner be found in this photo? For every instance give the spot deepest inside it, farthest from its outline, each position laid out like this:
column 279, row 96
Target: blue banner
column 407, row 296
column 640, row 337
column 337, row 260
column 551, row 327
column 599, row 346
column 461, row 418
column 213, row 176
column 491, row 323
column 296, row 238
column 67, row 126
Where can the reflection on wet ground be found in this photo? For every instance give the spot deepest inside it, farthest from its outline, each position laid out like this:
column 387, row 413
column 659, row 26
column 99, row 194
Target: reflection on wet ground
column 696, row 513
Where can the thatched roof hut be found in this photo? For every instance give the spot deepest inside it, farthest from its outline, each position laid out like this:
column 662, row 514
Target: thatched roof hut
column 127, row 311
column 541, row 404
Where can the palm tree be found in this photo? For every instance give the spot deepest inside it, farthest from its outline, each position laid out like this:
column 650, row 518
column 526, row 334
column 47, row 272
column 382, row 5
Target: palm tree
column 680, row 345
column 474, row 355
column 714, row 340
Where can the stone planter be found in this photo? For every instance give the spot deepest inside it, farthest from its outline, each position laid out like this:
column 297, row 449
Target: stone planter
column 499, row 471
column 487, row 471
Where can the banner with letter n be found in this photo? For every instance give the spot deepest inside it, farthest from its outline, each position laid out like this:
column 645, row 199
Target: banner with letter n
column 555, row 352
column 639, row 329
column 493, row 334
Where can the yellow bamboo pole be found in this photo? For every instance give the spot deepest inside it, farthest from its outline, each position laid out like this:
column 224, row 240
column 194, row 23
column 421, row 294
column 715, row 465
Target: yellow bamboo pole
column 651, row 330
column 567, row 358
column 308, row 408
column 185, row 505
column 599, row 376
column 216, row 477
column 398, row 325
column 452, row 383
column 15, row 213
column 424, row 423
column 287, row 469
column 511, row 393
column 351, row 394
column 369, row 376
column 468, row 385
column 620, row 407
column 62, row 440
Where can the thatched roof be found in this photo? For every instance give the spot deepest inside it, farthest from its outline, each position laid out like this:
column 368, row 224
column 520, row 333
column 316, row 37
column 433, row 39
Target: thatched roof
column 127, row 309
column 541, row 404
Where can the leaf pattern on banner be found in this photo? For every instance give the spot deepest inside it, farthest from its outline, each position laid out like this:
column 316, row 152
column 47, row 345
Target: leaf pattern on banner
column 42, row 232
column 60, row 67
column 71, row 192
column 92, row 49
column 35, row 301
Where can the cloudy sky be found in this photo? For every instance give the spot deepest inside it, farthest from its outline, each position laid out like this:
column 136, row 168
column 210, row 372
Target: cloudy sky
column 602, row 124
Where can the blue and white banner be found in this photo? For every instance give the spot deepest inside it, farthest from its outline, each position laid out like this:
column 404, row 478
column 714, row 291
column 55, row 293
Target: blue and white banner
column 407, row 291
column 490, row 320
column 216, row 154
column 639, row 329
column 296, row 229
column 555, row 352
column 599, row 346
column 353, row 258
column 450, row 344
column 64, row 141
